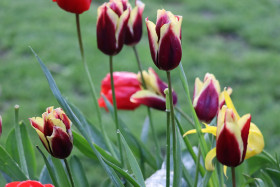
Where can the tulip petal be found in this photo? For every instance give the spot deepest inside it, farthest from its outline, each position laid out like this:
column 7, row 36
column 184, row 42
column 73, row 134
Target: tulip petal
column 222, row 96
column 170, row 50
column 43, row 140
column 153, row 39
column 60, row 143
column 229, row 103
column 37, row 123
column 120, row 31
column 162, row 19
column 209, row 129
column 148, row 98
column 255, row 141
column 209, row 159
column 225, row 171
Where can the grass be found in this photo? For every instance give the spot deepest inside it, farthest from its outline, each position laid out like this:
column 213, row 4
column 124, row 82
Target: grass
column 239, row 42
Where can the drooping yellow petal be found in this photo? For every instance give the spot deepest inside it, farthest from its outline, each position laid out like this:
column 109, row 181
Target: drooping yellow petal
column 225, row 171
column 208, row 129
column 209, row 158
column 255, row 141
column 229, row 103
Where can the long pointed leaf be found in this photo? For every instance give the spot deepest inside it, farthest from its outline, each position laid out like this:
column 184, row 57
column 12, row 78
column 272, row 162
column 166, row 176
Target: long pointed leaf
column 45, row 177
column 78, row 172
column 81, row 127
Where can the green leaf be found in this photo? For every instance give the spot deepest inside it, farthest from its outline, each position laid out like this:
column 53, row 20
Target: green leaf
column 136, row 145
column 178, row 172
column 133, row 163
column 80, row 126
column 60, row 171
column 10, row 167
column 267, row 179
column 256, row 181
column 29, row 153
column 11, row 147
column 45, row 177
column 145, row 130
column 256, row 163
column 78, row 172
column 274, row 174
column 49, row 167
column 83, row 146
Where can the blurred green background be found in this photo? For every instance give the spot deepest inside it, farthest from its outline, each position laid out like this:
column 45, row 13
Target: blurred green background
column 237, row 41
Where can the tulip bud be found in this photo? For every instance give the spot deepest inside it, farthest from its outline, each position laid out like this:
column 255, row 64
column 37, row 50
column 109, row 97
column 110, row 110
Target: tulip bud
column 74, row 6
column 206, row 97
column 110, row 29
column 134, row 26
column 165, row 40
column 154, row 95
column 126, row 84
column 54, row 130
column 232, row 137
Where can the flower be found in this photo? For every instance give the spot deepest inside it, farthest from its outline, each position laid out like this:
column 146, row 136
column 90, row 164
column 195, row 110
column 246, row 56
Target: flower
column 154, row 95
column 165, row 40
column 74, row 6
column 206, row 97
column 126, row 84
column 54, row 130
column 110, row 29
column 255, row 138
column 28, row 183
column 134, row 25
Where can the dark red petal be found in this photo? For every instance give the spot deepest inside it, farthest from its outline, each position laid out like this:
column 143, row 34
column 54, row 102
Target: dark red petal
column 105, row 31
column 151, row 44
column 227, row 149
column 74, row 6
column 48, row 127
column 170, row 52
column 244, row 136
column 135, row 37
column 66, row 121
column 156, row 103
column 207, row 104
column 160, row 22
column 61, row 143
column 115, row 8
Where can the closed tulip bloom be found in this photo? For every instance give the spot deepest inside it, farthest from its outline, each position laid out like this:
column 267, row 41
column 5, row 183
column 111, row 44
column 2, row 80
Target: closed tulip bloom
column 165, row 40
column 232, row 137
column 74, row 6
column 110, row 29
column 206, row 97
column 134, row 26
column 126, row 84
column 54, row 130
column 154, row 95
column 28, row 183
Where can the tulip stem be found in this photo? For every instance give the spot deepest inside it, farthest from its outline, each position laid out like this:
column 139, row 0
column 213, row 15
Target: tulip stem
column 173, row 128
column 93, row 92
column 233, row 176
column 69, row 172
column 115, row 109
column 186, row 116
column 168, row 148
column 148, row 108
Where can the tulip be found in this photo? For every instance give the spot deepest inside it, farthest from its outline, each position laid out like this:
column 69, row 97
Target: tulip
column 232, row 137
column 28, row 183
column 206, row 97
column 134, row 26
column 126, row 84
column 54, row 130
column 154, row 95
column 112, row 20
column 165, row 40
column 74, row 6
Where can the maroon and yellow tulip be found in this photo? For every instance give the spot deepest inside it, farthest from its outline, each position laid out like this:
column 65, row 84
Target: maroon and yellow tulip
column 74, row 6
column 165, row 40
column 126, row 84
column 112, row 21
column 206, row 97
column 54, row 130
column 134, row 26
column 154, row 95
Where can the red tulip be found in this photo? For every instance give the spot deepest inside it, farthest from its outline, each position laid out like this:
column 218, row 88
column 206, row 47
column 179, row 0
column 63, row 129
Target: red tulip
column 74, row 6
column 154, row 95
column 110, row 29
column 134, row 26
column 206, row 97
column 54, row 130
column 28, row 183
column 232, row 137
column 126, row 84
column 165, row 40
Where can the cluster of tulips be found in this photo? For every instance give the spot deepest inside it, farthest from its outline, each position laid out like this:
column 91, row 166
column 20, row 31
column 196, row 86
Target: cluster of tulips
column 118, row 24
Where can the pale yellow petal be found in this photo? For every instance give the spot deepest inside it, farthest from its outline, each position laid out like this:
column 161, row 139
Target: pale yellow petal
column 255, row 141
column 209, row 158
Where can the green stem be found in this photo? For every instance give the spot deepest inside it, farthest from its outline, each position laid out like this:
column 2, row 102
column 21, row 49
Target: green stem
column 69, row 172
column 233, row 176
column 148, row 109
column 115, row 108
column 173, row 127
column 186, row 116
column 168, row 148
column 221, row 174
column 197, row 166
column 93, row 92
